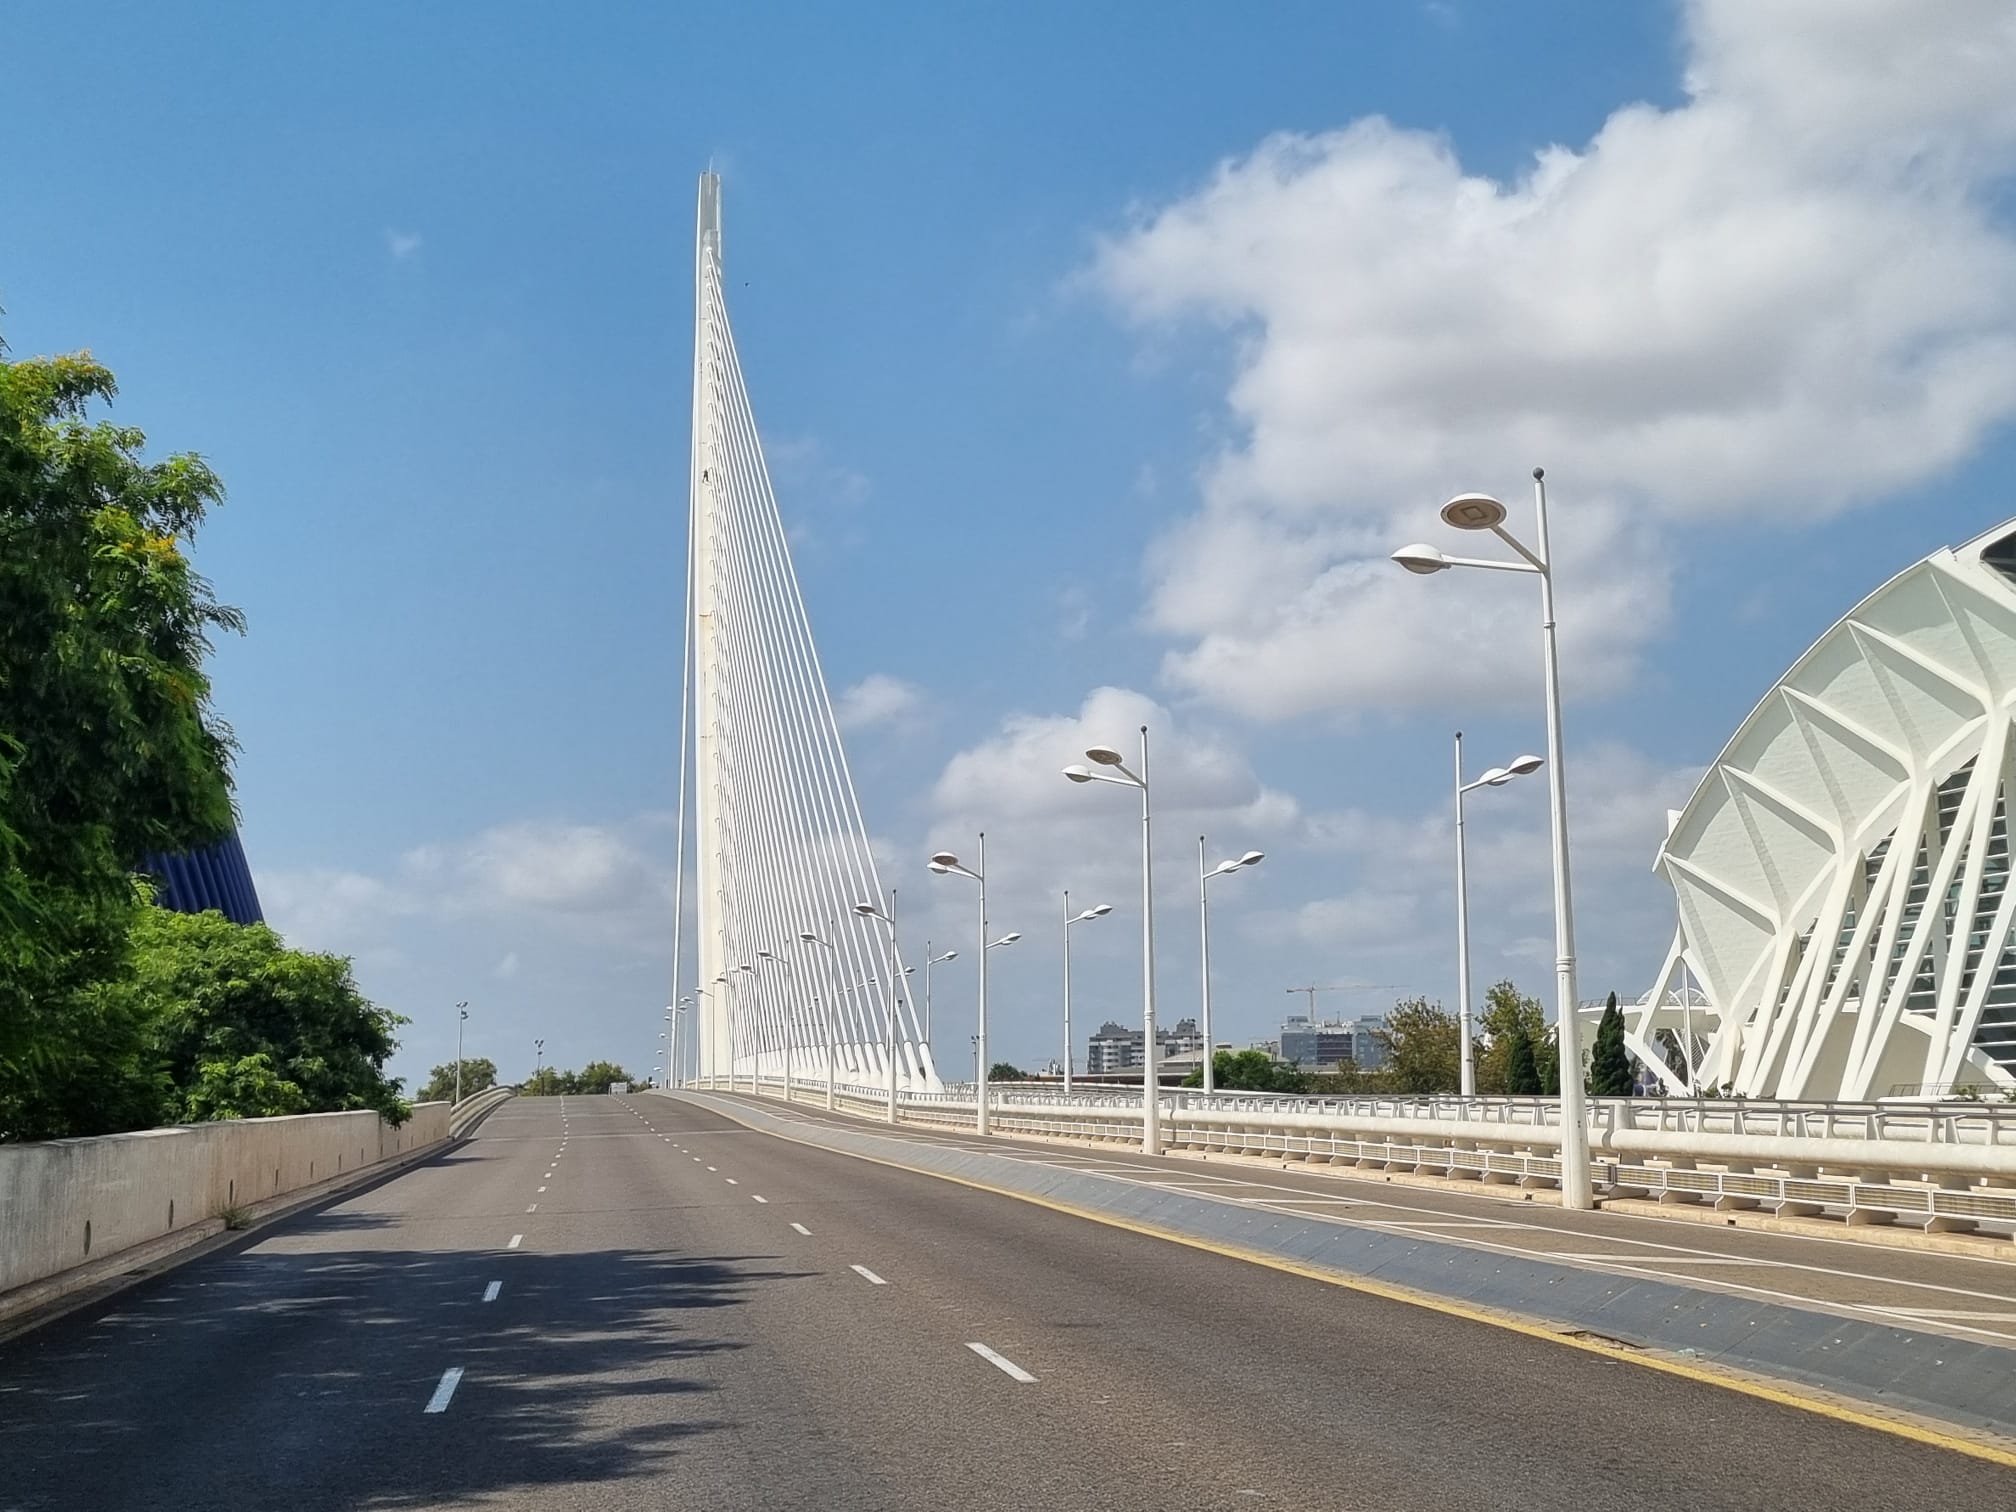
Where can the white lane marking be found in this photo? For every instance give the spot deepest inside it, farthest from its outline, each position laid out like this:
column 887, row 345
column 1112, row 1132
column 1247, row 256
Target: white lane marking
column 531, row 1207
column 1003, row 1363
column 731, row 1181
column 710, row 1168
column 1934, row 1312
column 754, row 1198
column 542, row 1189
column 516, row 1240
column 802, row 1229
column 867, row 1275
column 490, row 1291
column 450, row 1379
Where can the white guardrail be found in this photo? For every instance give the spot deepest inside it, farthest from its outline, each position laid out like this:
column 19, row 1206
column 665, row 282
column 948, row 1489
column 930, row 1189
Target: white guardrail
column 1944, row 1167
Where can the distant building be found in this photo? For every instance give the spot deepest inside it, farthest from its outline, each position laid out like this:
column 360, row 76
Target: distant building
column 1117, row 1048
column 1327, row 1045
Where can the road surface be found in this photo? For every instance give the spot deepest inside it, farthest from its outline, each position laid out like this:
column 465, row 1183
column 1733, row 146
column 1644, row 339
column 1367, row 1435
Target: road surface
column 630, row 1303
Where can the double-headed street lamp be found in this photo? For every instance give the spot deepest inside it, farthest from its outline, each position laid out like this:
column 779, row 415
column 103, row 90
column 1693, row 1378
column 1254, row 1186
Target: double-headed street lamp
column 539, row 1066
column 832, row 1049
column 1070, row 918
column 1520, row 766
column 1204, row 876
column 462, row 1010
column 946, row 864
column 870, row 911
column 1151, row 1097
column 1476, row 511
column 676, row 1069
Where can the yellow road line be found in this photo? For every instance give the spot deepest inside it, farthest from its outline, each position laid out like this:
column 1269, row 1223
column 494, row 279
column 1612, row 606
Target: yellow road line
column 1727, row 1378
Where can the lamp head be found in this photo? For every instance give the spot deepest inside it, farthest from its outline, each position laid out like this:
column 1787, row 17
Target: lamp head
column 1077, row 774
column 944, row 861
column 1473, row 511
column 1103, row 756
column 1522, row 765
column 1421, row 558
column 1252, row 858
column 1099, row 912
column 1496, row 777
column 809, row 938
column 867, row 910
column 950, row 955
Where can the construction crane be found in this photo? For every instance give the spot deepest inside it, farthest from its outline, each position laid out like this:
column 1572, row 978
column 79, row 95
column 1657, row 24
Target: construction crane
column 1343, row 987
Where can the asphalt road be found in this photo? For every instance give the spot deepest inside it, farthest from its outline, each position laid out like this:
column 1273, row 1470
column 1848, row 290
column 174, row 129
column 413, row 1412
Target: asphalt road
column 661, row 1339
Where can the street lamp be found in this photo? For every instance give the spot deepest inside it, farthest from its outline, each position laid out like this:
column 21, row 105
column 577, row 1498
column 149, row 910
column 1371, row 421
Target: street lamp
column 870, row 911
column 749, row 1036
column 675, row 1061
column 1151, row 1102
column 1476, row 511
column 539, row 1067
column 947, row 864
column 1204, row 876
column 832, row 1050
column 1497, row 777
column 1098, row 912
column 929, row 961
column 790, row 984
column 462, row 1012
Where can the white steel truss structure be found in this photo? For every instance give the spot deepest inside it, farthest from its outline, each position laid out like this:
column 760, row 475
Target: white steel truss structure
column 1842, row 872
column 791, row 980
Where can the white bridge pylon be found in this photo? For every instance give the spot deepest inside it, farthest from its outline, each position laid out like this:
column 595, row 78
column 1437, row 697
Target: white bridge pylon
column 780, row 848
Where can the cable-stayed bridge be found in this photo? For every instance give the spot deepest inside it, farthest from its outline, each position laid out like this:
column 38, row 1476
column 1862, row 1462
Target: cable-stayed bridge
column 795, row 976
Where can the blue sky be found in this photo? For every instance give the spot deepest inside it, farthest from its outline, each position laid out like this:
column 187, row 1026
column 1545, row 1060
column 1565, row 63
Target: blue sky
column 1096, row 348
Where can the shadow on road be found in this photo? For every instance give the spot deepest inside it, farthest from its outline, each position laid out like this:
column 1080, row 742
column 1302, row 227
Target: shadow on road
column 297, row 1378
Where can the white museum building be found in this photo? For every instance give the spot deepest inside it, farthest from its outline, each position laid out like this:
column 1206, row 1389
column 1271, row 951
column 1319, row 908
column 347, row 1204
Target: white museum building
column 1841, row 873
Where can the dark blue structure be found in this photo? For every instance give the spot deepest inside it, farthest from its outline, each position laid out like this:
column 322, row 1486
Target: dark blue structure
column 215, row 877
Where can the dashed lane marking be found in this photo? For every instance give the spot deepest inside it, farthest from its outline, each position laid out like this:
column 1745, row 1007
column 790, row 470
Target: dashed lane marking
column 867, row 1275
column 450, row 1379
column 490, row 1291
column 1002, row 1363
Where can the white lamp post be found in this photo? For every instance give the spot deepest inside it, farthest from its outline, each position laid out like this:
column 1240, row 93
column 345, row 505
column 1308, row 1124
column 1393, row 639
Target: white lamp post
column 929, row 961
column 870, row 911
column 832, row 1050
column 1151, row 1098
column 1520, row 766
column 676, row 1071
column 947, row 864
column 790, row 986
column 462, row 1010
column 1482, row 512
column 1070, row 918
column 1204, row 876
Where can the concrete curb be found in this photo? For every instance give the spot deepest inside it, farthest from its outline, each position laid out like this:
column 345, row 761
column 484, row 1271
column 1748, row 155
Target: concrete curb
column 1894, row 1370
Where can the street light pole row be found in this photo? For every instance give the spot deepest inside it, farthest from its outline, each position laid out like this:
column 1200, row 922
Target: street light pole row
column 1476, row 511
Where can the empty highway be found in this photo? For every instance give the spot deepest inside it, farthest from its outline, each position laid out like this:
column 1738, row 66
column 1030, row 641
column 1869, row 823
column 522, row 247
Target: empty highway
column 635, row 1303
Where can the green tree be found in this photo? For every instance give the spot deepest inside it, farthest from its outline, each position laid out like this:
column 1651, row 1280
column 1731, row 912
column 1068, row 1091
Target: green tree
column 244, row 1027
column 1609, row 1062
column 1505, row 1009
column 1002, row 1071
column 109, row 750
column 1522, row 1076
column 1249, row 1071
column 597, row 1076
column 1423, row 1043
column 478, row 1075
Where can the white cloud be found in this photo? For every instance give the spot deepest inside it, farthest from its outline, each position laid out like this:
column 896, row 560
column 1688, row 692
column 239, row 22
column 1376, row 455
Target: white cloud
column 1787, row 294
column 878, row 699
column 508, row 967
column 402, row 244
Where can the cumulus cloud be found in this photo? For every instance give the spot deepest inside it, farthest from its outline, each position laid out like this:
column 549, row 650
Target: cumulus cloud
column 878, row 699
column 1789, row 293
column 402, row 244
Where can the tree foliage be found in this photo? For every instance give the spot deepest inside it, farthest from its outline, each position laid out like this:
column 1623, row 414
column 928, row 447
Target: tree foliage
column 478, row 1075
column 1610, row 1073
column 1507, row 1015
column 1249, row 1071
column 1423, row 1047
column 1522, row 1074
column 108, row 747
column 551, row 1081
column 1002, row 1071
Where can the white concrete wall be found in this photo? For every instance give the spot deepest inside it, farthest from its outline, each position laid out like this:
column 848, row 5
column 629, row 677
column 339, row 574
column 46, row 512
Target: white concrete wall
column 69, row 1201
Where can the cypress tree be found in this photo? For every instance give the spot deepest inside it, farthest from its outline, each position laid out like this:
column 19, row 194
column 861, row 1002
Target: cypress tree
column 1522, row 1077
column 1610, row 1063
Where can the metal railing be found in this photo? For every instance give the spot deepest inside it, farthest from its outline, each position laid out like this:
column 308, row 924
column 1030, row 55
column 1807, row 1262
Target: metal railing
column 1947, row 1167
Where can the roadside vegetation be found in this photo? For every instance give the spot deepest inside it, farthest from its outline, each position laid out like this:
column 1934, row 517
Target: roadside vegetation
column 115, row 1014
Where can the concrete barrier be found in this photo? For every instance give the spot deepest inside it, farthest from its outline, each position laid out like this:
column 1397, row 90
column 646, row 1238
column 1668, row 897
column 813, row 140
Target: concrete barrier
column 71, row 1203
